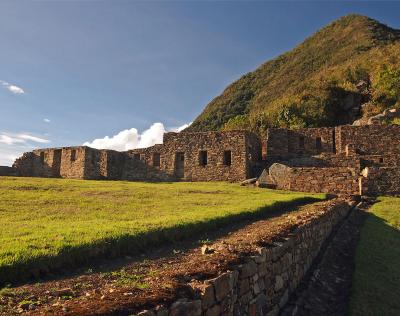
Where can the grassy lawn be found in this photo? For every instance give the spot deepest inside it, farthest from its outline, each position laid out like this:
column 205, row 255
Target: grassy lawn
column 376, row 283
column 50, row 223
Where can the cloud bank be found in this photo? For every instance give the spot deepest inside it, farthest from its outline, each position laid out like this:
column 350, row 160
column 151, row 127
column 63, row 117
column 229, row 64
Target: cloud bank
column 12, row 145
column 12, row 88
column 131, row 138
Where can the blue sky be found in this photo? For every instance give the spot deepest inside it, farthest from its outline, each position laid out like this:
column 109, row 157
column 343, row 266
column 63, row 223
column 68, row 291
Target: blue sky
column 73, row 72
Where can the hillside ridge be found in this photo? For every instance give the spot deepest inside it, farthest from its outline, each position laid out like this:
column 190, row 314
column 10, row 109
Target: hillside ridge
column 335, row 76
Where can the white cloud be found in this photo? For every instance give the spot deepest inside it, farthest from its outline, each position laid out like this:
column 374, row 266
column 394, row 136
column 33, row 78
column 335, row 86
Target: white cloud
column 11, row 139
column 46, row 120
column 7, row 157
column 131, row 138
column 12, row 88
column 13, row 145
column 180, row 128
column 124, row 140
column 33, row 138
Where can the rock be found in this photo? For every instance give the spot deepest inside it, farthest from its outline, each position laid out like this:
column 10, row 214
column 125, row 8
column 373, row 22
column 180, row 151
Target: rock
column 284, row 299
column 207, row 295
column 64, row 292
column 223, row 285
column 213, row 311
column 206, row 249
column 278, row 283
column 248, row 269
column 280, row 175
column 248, row 181
column 146, row 313
column 381, row 118
column 185, row 308
column 258, row 306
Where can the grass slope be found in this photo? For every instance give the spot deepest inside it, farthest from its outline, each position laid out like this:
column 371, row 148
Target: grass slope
column 51, row 223
column 313, row 82
column 376, row 283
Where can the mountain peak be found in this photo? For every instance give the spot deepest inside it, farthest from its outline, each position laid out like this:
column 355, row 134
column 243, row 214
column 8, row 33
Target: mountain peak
column 315, row 80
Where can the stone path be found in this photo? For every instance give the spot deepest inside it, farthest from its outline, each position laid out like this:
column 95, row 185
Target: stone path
column 326, row 290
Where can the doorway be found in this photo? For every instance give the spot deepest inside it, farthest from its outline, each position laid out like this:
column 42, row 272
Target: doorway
column 56, row 163
column 180, row 165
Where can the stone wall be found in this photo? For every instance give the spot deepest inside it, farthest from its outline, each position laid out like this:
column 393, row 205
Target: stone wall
column 73, row 161
column 326, row 160
column 370, row 139
column 262, row 283
column 380, row 181
column 204, row 156
column 335, row 180
column 7, row 171
column 283, row 143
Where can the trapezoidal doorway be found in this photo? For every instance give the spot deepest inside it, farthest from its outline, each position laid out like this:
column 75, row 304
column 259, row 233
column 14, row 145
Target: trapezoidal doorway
column 180, row 165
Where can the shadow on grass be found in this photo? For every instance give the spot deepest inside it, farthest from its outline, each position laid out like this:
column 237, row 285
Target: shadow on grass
column 376, row 279
column 74, row 257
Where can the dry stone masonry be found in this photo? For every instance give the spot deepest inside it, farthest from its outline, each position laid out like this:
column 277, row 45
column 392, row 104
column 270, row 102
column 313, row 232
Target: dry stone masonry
column 349, row 160
column 263, row 283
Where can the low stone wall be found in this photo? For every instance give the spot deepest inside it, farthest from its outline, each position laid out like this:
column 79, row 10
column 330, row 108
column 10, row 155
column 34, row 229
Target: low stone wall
column 335, row 180
column 262, row 284
column 7, row 171
column 380, row 181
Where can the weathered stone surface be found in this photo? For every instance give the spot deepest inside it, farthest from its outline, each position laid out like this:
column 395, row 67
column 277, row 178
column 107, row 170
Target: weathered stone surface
column 278, row 282
column 213, row 311
column 185, row 308
column 258, row 306
column 146, row 313
column 247, row 269
column 207, row 296
column 223, row 285
column 8, row 171
column 259, row 293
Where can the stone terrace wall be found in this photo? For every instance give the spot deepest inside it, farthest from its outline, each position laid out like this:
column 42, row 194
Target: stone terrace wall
column 335, row 180
column 380, row 181
column 326, row 160
column 263, row 283
column 369, row 139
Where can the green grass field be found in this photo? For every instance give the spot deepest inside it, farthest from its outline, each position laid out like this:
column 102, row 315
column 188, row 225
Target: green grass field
column 47, row 224
column 376, row 281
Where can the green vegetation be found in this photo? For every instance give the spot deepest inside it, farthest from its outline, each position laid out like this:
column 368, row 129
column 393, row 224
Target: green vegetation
column 376, row 281
column 51, row 223
column 313, row 84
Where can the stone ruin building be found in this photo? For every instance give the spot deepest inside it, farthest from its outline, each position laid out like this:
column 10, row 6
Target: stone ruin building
column 351, row 160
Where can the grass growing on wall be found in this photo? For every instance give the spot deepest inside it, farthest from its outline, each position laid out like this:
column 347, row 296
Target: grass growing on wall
column 47, row 224
column 376, row 281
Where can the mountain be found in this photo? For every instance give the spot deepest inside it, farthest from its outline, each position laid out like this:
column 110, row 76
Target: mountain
column 348, row 69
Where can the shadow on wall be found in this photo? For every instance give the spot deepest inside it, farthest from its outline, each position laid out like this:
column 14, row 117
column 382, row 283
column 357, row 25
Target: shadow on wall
column 376, row 280
column 72, row 257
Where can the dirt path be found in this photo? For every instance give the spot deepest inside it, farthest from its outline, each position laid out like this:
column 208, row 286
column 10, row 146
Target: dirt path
column 326, row 289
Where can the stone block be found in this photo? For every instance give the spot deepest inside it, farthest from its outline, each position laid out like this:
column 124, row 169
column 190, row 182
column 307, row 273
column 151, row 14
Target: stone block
column 185, row 308
column 247, row 269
